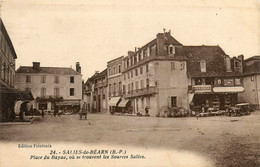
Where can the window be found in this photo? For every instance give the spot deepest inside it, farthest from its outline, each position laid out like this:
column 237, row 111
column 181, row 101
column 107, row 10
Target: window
column 129, row 88
column 119, row 86
column 173, row 101
column 71, row 79
column 142, row 84
column 182, row 65
column 124, row 76
column 43, row 79
column 198, row 81
column 109, row 71
column 139, row 57
column 114, row 87
column 119, row 69
column 56, row 79
column 43, row 105
column 123, row 88
column 136, row 85
column 147, row 82
column 56, row 91
column 147, row 68
column 43, row 92
column 172, row 65
column 1, row 68
column 72, row 91
column 203, row 65
column 148, row 101
column 209, row 81
column 136, row 72
column 28, row 79
column 94, row 98
column 141, row 70
column 252, row 78
column 142, row 100
column 132, row 74
column 114, row 70
column 132, row 88
column 109, row 89
column 128, row 75
column 171, row 50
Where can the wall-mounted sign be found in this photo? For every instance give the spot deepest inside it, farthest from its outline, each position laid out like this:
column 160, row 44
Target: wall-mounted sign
column 201, row 88
column 219, row 81
column 229, row 82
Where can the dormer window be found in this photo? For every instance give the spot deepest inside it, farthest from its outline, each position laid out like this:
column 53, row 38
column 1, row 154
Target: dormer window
column 148, row 51
column 171, row 50
column 203, row 66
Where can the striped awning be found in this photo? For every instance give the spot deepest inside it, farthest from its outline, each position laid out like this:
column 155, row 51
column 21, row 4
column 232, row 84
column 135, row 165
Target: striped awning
column 123, row 103
column 113, row 101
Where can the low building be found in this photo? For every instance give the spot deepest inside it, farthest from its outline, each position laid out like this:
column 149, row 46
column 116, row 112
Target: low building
column 251, row 78
column 52, row 86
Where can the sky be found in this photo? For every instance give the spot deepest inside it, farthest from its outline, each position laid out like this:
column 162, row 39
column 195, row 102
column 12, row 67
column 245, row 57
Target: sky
column 59, row 33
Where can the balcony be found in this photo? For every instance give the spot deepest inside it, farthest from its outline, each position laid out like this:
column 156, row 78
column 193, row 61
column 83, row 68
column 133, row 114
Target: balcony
column 141, row 92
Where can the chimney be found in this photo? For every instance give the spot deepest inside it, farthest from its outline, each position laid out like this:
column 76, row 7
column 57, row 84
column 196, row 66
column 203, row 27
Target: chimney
column 135, row 49
column 130, row 53
column 170, row 32
column 36, row 65
column 241, row 58
column 160, row 44
column 78, row 68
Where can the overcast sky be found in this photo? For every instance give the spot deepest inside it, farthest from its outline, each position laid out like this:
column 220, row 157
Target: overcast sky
column 60, row 33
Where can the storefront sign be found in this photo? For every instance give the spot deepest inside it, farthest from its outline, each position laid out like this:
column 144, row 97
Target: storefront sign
column 229, row 82
column 201, row 88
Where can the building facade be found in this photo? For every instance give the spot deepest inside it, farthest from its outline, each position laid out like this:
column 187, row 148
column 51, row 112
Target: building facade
column 52, row 86
column 215, row 78
column 114, row 82
column 251, row 78
column 95, row 92
column 151, row 75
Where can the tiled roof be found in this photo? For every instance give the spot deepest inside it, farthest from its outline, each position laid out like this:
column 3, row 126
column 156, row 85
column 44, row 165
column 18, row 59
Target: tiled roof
column 47, row 70
column 214, row 57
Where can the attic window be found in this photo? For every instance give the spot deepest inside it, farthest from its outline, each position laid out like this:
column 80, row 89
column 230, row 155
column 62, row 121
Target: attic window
column 171, row 49
column 203, row 66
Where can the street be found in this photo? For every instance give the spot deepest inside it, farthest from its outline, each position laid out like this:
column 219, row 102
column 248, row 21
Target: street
column 227, row 141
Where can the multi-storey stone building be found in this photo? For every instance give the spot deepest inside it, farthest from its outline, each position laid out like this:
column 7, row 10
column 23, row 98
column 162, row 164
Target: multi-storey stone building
column 152, row 73
column 114, row 81
column 164, row 74
column 8, row 94
column 52, row 86
column 95, row 92
column 251, row 78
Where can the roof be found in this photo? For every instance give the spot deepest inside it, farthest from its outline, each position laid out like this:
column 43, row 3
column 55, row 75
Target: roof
column 214, row 57
column 252, row 65
column 2, row 27
column 47, row 70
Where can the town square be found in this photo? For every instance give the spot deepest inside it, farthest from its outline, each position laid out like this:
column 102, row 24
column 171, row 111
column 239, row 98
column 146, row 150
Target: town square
column 132, row 75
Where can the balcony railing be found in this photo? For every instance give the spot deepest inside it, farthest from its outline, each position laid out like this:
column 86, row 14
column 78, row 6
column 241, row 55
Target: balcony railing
column 141, row 92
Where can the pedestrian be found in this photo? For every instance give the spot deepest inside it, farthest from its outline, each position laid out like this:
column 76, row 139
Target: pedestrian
column 42, row 113
column 55, row 111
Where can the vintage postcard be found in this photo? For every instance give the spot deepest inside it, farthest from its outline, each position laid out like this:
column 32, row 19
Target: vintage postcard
column 129, row 83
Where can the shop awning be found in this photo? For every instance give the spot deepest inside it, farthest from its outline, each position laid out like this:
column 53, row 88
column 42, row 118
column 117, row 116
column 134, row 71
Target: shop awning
column 123, row 103
column 113, row 101
column 228, row 89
